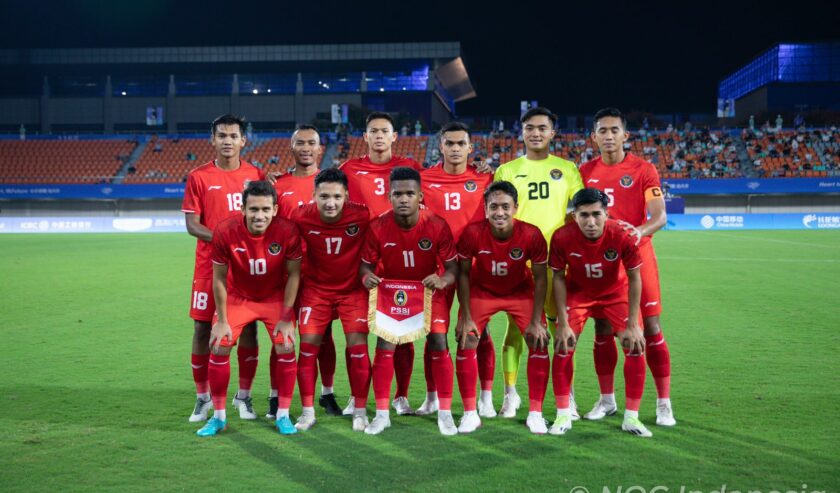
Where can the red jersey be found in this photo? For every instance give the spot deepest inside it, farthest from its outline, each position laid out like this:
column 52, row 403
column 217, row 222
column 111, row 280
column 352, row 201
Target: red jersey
column 367, row 182
column 293, row 192
column 412, row 254
column 256, row 264
column 333, row 250
column 596, row 269
column 214, row 195
column 629, row 185
column 458, row 199
column 500, row 268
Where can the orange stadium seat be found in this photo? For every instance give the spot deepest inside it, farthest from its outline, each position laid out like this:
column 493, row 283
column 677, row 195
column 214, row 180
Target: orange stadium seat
column 62, row 161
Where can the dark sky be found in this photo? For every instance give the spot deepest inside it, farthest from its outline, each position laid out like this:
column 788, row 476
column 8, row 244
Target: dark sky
column 572, row 57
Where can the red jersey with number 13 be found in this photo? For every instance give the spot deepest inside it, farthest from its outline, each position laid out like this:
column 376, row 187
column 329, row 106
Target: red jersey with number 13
column 458, row 199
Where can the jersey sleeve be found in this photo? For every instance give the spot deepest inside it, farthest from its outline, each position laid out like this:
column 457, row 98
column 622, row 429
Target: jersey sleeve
column 466, row 244
column 219, row 253
column 651, row 184
column 557, row 256
column 446, row 246
column 539, row 249
column 192, row 196
column 630, row 254
column 502, row 173
column 293, row 246
column 575, row 183
column 370, row 250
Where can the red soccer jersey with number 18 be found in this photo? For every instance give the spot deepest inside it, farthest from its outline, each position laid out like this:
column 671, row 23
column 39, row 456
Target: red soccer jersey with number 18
column 367, row 182
column 595, row 270
column 293, row 192
column 500, row 268
column 629, row 185
column 256, row 264
column 214, row 195
column 333, row 250
column 458, row 199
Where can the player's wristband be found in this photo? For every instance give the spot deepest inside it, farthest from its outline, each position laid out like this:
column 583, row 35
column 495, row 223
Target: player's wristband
column 287, row 314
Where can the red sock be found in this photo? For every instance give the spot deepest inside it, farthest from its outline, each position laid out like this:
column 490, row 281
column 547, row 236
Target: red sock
column 538, row 368
column 427, row 369
column 248, row 358
column 606, row 357
column 443, row 371
column 634, row 380
column 383, row 375
column 218, row 375
column 326, row 360
column 466, row 368
column 285, row 378
column 486, row 361
column 199, row 369
column 359, row 370
column 659, row 361
column 307, row 372
column 272, row 369
column 403, row 366
column 562, row 372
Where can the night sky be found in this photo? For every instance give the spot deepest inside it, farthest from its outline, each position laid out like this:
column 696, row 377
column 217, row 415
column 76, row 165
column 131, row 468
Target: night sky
column 658, row 57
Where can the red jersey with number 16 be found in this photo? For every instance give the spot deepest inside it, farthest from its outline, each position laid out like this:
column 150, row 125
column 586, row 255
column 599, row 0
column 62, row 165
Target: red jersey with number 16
column 367, row 182
column 458, row 199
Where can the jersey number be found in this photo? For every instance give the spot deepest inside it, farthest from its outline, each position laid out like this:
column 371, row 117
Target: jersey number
column 593, row 271
column 258, row 266
column 499, row 268
column 305, row 311
column 408, row 258
column 452, row 201
column 610, row 195
column 199, row 300
column 330, row 243
column 234, row 201
column 380, row 186
column 538, row 190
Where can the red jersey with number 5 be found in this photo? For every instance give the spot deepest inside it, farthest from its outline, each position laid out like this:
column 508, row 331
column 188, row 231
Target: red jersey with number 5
column 458, row 199
column 293, row 192
column 367, row 182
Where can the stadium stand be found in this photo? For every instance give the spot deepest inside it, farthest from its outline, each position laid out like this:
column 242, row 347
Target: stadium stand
column 63, row 161
column 791, row 153
column 169, row 160
column 408, row 146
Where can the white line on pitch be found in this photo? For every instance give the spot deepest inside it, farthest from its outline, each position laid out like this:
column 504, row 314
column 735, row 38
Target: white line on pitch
column 749, row 259
column 775, row 240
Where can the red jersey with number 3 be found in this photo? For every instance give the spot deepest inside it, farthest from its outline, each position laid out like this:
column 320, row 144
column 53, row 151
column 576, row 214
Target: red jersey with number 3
column 293, row 192
column 256, row 264
column 500, row 268
column 595, row 270
column 629, row 185
column 333, row 250
column 458, row 199
column 408, row 254
column 214, row 195
column 367, row 182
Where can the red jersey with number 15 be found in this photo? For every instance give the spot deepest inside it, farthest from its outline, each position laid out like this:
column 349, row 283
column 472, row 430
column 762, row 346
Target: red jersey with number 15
column 256, row 264
column 595, row 270
column 367, row 182
column 214, row 195
column 293, row 192
column 458, row 199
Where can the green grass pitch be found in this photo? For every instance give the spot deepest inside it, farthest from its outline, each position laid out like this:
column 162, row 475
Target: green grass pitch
column 96, row 388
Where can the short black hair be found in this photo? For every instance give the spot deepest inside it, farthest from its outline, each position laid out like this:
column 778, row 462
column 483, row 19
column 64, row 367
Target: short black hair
column 605, row 112
column 590, row 196
column 401, row 173
column 536, row 111
column 259, row 188
column 228, row 119
column 331, row 175
column 379, row 115
column 306, row 126
column 504, row 187
column 455, row 127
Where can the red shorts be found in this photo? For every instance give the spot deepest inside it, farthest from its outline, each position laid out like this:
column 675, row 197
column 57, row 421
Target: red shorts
column 317, row 309
column 440, row 313
column 615, row 313
column 517, row 308
column 202, row 304
column 651, row 303
column 241, row 312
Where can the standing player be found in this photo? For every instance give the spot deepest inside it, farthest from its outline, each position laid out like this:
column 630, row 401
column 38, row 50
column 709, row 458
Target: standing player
column 214, row 193
column 635, row 198
column 252, row 259
column 409, row 244
column 494, row 276
column 333, row 231
column 595, row 253
column 455, row 191
column 295, row 189
column 545, row 184
column 367, row 182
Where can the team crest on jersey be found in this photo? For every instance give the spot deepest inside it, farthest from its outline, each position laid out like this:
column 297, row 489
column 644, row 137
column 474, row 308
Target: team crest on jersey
column 470, row 186
column 425, row 244
column 611, row 254
column 626, row 181
column 556, row 174
column 352, row 230
column 400, row 298
column 516, row 253
column 274, row 248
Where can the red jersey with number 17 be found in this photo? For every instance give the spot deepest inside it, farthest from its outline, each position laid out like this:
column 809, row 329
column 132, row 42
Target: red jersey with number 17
column 367, row 182
column 293, row 192
column 256, row 264
column 500, row 268
column 458, row 199
column 595, row 270
column 333, row 249
column 214, row 195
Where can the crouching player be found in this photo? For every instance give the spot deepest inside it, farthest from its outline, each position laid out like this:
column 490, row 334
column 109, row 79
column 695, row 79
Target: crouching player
column 494, row 277
column 333, row 231
column 252, row 255
column 595, row 252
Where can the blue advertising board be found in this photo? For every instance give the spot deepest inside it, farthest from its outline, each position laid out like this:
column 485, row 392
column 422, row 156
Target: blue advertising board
column 752, row 186
column 703, row 222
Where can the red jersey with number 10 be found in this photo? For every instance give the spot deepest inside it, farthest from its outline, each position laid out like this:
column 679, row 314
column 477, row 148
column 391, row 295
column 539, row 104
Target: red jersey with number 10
column 293, row 192
column 458, row 199
column 367, row 182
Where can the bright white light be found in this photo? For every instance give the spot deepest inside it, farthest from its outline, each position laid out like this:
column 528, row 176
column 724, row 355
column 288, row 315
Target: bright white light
column 269, row 91
column 381, row 89
column 123, row 93
column 255, row 91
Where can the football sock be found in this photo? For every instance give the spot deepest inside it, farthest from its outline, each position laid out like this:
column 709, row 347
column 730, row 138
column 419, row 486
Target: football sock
column 383, row 375
column 272, row 371
column 248, row 358
column 403, row 366
column 359, row 374
column 205, row 396
column 659, row 361
column 466, row 368
column 634, row 380
column 326, row 360
column 486, row 361
column 512, row 352
column 199, row 363
column 220, row 414
column 606, row 358
column 443, row 370
column 219, row 378
column 285, row 377
column 307, row 372
column 538, row 368
column 427, row 369
column 562, row 372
